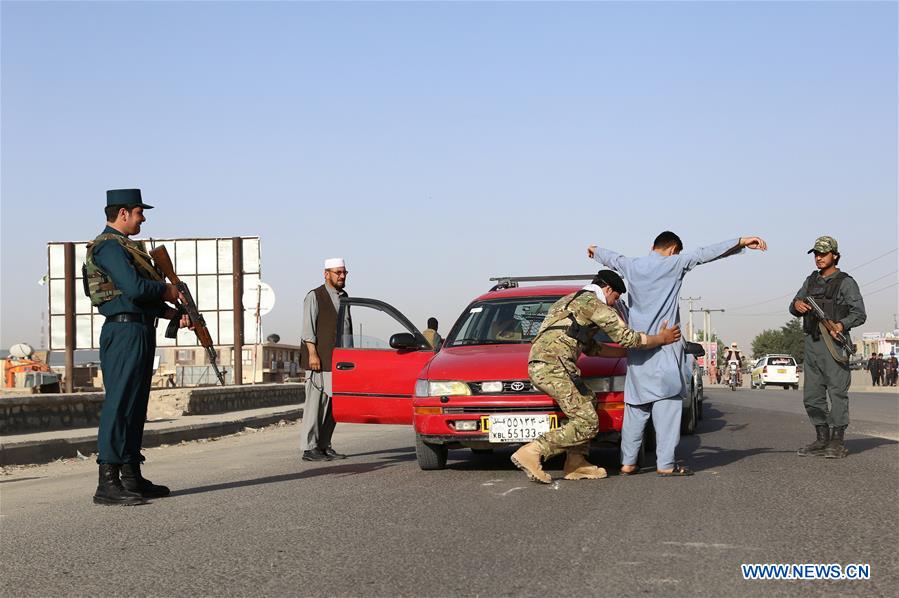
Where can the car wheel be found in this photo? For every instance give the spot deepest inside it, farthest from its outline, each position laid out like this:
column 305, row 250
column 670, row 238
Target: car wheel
column 761, row 386
column 649, row 436
column 699, row 405
column 641, row 456
column 688, row 417
column 430, row 456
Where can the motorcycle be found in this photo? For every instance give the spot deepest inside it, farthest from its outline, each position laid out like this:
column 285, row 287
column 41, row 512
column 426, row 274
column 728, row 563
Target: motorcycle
column 732, row 378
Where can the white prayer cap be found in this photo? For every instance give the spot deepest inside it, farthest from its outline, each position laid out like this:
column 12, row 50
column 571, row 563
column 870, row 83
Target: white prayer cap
column 334, row 262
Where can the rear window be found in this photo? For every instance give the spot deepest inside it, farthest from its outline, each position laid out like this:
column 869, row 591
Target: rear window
column 781, row 361
column 512, row 321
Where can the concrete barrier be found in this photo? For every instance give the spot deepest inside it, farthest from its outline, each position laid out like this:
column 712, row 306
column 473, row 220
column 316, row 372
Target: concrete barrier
column 40, row 413
column 37, row 413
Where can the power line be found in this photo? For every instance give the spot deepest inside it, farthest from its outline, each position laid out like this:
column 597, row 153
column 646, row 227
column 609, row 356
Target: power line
column 890, row 286
column 881, row 278
column 874, row 259
column 854, row 268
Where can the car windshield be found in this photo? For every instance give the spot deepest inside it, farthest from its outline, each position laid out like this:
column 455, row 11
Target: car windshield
column 781, row 361
column 510, row 321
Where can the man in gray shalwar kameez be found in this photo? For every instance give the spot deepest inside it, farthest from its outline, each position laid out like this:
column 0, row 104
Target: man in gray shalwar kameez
column 654, row 385
column 319, row 338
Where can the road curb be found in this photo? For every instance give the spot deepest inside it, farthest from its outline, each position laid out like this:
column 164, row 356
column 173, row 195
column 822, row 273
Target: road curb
column 44, row 451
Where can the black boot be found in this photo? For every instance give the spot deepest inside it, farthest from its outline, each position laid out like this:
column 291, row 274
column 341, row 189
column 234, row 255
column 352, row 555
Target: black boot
column 315, row 455
column 835, row 448
column 132, row 480
column 332, row 453
column 110, row 490
column 817, row 447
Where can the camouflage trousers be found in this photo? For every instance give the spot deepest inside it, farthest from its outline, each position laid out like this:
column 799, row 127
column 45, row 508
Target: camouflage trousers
column 583, row 423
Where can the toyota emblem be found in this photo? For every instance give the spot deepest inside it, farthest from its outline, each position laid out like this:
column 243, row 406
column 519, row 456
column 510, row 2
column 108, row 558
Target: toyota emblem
column 517, row 386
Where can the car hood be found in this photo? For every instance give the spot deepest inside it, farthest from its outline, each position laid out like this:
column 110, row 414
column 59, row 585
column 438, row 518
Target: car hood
column 506, row 362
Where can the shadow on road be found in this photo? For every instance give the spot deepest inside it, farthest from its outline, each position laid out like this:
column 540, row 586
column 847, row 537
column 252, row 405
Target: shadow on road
column 22, row 479
column 405, row 449
column 310, row 471
column 860, row 445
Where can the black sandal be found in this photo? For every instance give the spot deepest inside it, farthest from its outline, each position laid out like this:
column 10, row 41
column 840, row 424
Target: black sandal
column 679, row 470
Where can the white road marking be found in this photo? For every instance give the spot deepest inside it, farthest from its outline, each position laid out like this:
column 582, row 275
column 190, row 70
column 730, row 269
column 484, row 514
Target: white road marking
column 510, row 490
column 705, row 545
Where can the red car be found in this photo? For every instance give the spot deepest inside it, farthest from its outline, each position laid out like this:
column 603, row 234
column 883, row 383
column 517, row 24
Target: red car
column 474, row 390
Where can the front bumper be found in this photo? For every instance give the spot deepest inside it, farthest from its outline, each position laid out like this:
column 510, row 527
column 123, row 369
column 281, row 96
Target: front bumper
column 436, row 417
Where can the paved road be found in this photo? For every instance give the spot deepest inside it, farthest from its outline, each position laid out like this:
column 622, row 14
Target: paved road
column 248, row 518
column 872, row 413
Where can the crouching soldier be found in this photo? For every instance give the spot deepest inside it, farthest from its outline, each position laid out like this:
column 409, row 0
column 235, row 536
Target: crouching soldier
column 569, row 330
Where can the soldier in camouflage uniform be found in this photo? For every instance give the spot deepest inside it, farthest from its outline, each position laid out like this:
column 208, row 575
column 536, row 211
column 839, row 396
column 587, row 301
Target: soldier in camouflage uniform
column 569, row 330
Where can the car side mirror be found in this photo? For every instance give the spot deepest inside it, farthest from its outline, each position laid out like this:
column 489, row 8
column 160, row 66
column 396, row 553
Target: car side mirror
column 404, row 341
column 694, row 349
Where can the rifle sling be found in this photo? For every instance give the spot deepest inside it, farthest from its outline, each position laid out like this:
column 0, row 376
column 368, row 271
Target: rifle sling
column 828, row 342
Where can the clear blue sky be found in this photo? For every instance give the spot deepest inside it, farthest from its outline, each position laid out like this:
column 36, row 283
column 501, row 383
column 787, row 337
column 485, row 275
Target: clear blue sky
column 434, row 145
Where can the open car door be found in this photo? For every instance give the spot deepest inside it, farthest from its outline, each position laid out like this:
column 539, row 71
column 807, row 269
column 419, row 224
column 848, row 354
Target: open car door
column 376, row 363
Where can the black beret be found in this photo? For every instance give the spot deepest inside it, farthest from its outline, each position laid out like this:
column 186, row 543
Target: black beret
column 610, row 278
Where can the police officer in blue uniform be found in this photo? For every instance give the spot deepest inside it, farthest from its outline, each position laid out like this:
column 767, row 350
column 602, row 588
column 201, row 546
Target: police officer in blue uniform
column 123, row 284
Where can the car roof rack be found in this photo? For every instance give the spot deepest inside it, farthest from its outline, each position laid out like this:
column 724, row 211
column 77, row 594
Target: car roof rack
column 511, row 282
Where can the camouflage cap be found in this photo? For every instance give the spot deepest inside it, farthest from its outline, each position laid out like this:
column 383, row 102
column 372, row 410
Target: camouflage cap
column 825, row 244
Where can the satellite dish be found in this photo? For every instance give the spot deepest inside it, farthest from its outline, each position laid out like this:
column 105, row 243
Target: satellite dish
column 273, row 338
column 260, row 293
column 21, row 351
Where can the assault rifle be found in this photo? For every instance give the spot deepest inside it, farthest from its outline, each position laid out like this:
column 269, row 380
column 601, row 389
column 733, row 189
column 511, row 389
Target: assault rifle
column 164, row 263
column 840, row 338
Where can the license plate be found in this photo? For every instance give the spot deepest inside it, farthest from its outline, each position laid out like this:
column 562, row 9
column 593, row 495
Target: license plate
column 518, row 427
column 781, row 371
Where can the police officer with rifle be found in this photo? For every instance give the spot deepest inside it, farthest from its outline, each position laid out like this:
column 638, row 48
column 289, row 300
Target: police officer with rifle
column 126, row 288
column 830, row 304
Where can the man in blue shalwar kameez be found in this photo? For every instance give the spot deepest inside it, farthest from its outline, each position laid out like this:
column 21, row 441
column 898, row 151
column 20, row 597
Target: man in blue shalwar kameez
column 654, row 385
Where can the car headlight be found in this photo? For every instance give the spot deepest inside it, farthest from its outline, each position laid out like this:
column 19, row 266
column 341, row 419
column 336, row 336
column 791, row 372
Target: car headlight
column 441, row 388
column 605, row 383
column 599, row 384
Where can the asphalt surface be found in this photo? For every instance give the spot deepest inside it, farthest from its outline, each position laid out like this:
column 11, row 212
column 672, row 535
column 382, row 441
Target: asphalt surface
column 249, row 518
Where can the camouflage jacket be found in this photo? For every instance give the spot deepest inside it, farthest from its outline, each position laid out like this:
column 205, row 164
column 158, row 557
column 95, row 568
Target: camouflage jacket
column 551, row 345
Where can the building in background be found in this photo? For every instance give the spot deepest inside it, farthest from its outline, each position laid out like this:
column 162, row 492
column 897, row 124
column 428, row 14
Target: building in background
column 879, row 342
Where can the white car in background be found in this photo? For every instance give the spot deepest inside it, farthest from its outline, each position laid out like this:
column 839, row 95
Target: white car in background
column 777, row 370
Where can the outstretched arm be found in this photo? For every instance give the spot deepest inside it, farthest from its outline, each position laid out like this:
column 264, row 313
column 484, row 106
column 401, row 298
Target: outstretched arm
column 710, row 253
column 608, row 258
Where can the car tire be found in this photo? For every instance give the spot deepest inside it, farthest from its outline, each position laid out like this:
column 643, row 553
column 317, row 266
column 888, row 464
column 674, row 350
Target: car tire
column 430, row 456
column 762, row 386
column 688, row 418
column 649, row 436
column 699, row 405
column 641, row 455
column 481, row 452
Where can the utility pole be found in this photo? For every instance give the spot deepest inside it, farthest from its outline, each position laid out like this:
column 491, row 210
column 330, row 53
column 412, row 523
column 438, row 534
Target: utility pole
column 707, row 326
column 690, row 301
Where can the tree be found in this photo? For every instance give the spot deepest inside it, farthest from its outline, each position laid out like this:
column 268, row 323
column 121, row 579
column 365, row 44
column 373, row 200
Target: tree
column 789, row 340
column 793, row 339
column 766, row 342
